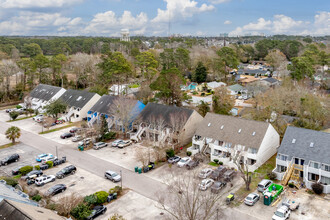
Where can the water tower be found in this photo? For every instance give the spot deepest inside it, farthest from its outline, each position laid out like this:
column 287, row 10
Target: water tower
column 124, row 35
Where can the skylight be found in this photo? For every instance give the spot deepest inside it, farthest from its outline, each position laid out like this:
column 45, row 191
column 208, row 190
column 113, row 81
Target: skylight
column 221, row 127
column 209, row 125
column 293, row 141
column 254, row 133
column 312, row 144
column 239, row 131
column 80, row 97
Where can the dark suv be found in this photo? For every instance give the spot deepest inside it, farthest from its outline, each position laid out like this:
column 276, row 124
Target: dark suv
column 66, row 171
column 10, row 159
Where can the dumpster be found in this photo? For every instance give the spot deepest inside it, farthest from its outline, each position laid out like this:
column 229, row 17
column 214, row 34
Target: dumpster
column 81, row 148
column 136, row 169
column 267, row 198
column 272, row 192
column 115, row 196
column 140, row 170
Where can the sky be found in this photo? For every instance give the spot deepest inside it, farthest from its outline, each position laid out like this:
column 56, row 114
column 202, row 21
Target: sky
column 151, row 17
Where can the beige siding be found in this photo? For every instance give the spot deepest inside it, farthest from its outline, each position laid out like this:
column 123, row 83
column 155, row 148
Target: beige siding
column 190, row 127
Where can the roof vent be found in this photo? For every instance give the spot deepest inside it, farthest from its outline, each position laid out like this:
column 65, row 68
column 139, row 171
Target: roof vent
column 293, row 141
column 239, row 131
column 221, row 127
column 254, row 133
column 209, row 125
column 70, row 96
column 80, row 97
column 101, row 102
column 312, row 144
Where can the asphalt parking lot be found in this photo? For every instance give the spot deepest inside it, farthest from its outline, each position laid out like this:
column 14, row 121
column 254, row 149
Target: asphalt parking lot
column 27, row 157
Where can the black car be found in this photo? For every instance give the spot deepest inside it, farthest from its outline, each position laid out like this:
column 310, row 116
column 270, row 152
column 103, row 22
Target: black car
column 217, row 186
column 67, row 135
column 16, row 170
column 191, row 164
column 97, row 210
column 33, row 174
column 59, row 161
column 10, row 159
column 66, row 171
column 174, row 159
column 56, row 189
column 74, row 130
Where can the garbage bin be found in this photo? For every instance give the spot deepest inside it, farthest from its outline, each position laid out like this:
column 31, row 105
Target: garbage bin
column 136, row 169
column 140, row 170
column 145, row 169
column 115, row 196
column 267, row 198
column 81, row 148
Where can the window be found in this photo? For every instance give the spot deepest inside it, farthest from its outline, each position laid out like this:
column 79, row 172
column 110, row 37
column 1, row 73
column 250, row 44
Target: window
column 326, row 167
column 313, row 177
column 253, row 150
column 325, row 179
column 312, row 144
column 281, row 168
column 217, row 152
column 314, row 165
column 282, row 157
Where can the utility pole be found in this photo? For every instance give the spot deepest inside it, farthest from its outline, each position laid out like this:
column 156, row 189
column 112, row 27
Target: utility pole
column 121, row 180
column 56, row 152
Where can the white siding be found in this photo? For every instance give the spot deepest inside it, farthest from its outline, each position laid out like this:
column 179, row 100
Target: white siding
column 83, row 112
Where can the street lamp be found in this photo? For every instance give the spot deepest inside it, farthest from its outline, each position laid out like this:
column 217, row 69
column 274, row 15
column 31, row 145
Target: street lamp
column 56, row 152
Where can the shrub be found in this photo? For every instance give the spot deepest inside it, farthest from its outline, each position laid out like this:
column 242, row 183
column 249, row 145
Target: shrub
column 36, row 198
column 189, row 153
column 220, row 162
column 216, row 160
column 10, row 181
column 116, row 189
column 170, row 153
column 117, row 217
column 18, row 106
column 37, row 167
column 195, row 93
column 81, row 211
column 91, row 199
column 50, row 164
column 101, row 197
column 13, row 115
column 317, row 188
column 271, row 176
column 291, row 185
column 25, row 170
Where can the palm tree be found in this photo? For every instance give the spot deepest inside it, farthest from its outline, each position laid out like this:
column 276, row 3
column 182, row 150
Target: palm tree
column 13, row 133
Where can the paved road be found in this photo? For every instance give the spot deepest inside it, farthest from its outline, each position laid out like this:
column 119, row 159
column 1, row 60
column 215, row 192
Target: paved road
column 139, row 183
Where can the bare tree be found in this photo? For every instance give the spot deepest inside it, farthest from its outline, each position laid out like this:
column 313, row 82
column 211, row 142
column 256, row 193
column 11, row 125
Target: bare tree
column 8, row 69
column 67, row 203
column 243, row 168
column 183, row 199
column 142, row 155
column 124, row 110
column 177, row 122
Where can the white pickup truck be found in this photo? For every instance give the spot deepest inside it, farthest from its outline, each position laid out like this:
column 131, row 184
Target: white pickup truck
column 282, row 213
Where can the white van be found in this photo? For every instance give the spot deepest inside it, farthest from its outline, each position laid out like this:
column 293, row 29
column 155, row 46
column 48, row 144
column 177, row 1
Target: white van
column 40, row 181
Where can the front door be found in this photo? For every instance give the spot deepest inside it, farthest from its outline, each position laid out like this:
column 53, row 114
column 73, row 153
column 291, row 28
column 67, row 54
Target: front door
column 296, row 161
column 302, row 162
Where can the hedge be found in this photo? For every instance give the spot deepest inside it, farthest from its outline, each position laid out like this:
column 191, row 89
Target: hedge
column 37, row 167
column 36, row 198
column 50, row 164
column 81, row 211
column 101, row 197
column 91, row 199
column 25, row 170
column 10, row 181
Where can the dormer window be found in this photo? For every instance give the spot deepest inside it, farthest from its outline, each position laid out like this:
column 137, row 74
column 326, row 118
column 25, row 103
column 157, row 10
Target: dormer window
column 70, row 97
column 312, row 144
column 239, row 131
column 254, row 133
column 221, row 127
column 209, row 125
column 293, row 141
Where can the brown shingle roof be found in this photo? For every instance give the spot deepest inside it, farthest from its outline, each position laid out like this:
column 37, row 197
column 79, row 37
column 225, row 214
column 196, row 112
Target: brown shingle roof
column 251, row 132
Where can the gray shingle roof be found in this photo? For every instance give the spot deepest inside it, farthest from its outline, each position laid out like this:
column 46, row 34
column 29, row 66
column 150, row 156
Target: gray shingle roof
column 251, row 71
column 236, row 87
column 320, row 152
column 212, row 124
column 44, row 92
column 154, row 111
column 103, row 105
column 76, row 98
column 270, row 80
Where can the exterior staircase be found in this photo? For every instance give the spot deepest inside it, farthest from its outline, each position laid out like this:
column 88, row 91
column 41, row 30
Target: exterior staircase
column 287, row 174
column 292, row 174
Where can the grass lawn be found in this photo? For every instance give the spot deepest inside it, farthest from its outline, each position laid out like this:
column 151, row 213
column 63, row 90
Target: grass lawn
column 257, row 176
column 18, row 176
column 8, row 145
column 21, row 118
column 60, row 128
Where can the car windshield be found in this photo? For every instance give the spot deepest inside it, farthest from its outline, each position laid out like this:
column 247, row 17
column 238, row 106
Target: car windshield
column 248, row 198
column 114, row 174
column 183, row 160
column 279, row 214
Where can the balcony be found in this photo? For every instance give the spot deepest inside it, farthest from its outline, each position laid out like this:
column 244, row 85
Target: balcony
column 251, row 156
column 194, row 150
column 309, row 183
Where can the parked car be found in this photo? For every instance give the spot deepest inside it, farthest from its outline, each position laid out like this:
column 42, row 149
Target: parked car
column 10, row 110
column 56, row 189
column 263, row 185
column 85, row 141
column 59, row 161
column 77, row 138
column 191, row 164
column 174, row 159
column 124, row 143
column 74, row 130
column 205, row 173
column 42, row 180
column 66, row 135
column 33, row 174
column 66, row 171
column 99, row 145
column 44, row 160
column 38, row 118
column 251, row 199
column 205, row 184
column 183, row 161
column 116, row 142
column 9, row 159
column 113, row 176
column 217, row 186
column 40, row 157
column 44, row 167
column 282, row 213
column 229, row 175
column 20, row 110
column 97, row 210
